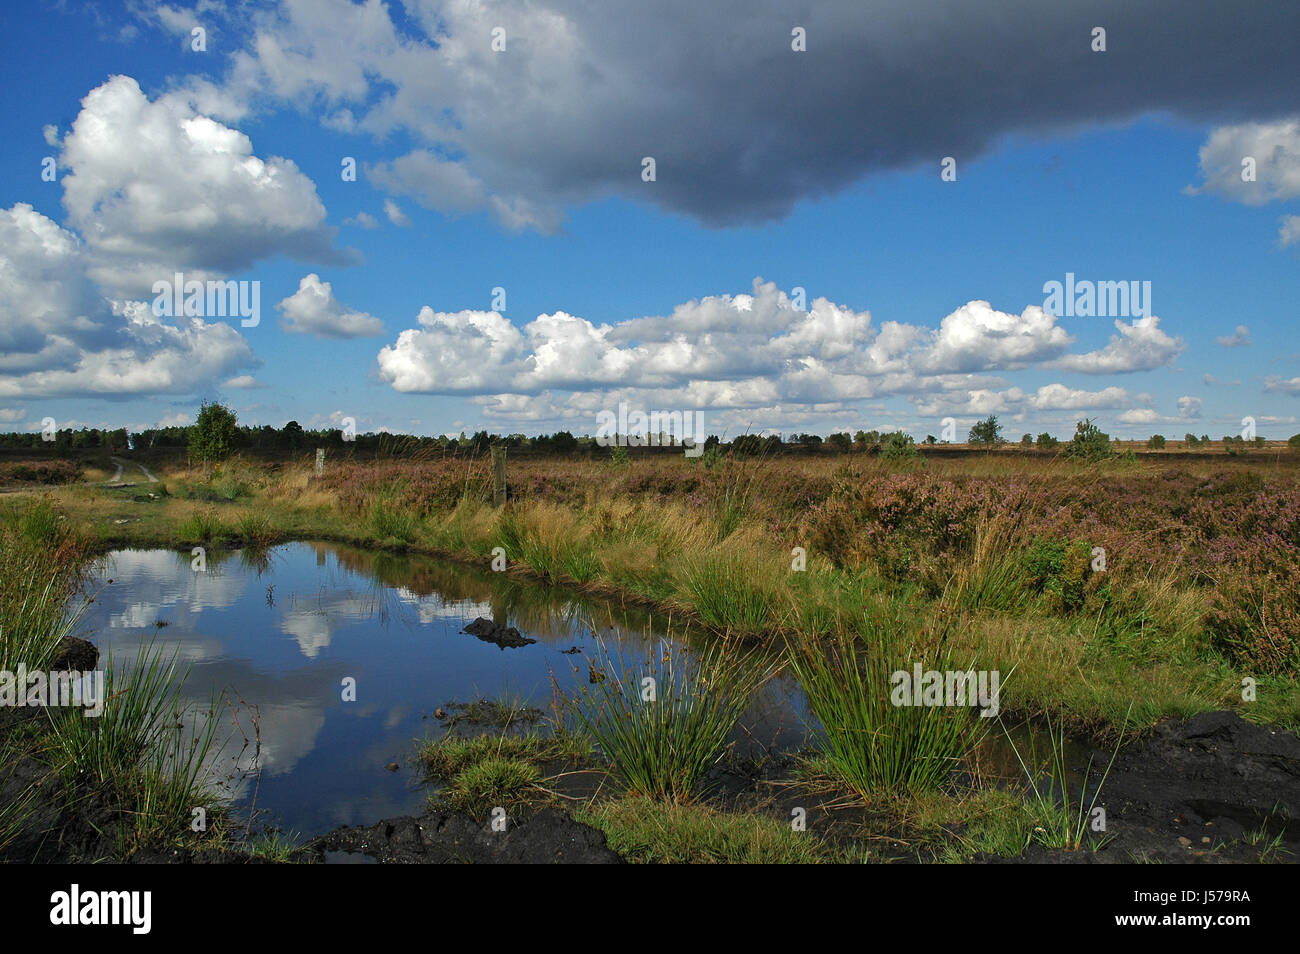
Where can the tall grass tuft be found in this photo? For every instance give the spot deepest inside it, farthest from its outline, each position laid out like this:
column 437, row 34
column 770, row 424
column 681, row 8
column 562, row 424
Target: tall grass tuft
column 547, row 541
column 255, row 528
column 663, row 737
column 871, row 745
column 42, row 563
column 727, row 595
column 202, row 526
column 390, row 519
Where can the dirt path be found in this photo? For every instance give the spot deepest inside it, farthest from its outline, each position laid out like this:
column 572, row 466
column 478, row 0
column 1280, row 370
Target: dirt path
column 117, row 478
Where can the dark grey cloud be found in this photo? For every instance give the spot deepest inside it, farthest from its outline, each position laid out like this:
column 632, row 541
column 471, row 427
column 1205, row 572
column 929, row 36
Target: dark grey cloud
column 741, row 127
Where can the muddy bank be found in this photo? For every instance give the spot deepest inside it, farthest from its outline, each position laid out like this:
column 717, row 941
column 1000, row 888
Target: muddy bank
column 1198, row 791
column 549, row 837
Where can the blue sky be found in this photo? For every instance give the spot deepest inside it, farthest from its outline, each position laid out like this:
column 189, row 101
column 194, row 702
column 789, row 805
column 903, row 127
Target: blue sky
column 522, row 169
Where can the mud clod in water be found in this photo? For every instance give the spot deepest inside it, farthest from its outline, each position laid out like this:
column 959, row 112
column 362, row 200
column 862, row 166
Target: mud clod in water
column 506, row 637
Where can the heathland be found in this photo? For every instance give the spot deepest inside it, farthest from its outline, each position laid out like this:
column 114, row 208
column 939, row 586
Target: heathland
column 1112, row 596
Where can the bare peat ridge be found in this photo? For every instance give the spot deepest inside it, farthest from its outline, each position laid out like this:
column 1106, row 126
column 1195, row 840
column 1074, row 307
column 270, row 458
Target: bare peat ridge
column 1191, row 789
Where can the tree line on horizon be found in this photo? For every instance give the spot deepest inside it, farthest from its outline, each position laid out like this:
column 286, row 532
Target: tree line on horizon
column 216, row 434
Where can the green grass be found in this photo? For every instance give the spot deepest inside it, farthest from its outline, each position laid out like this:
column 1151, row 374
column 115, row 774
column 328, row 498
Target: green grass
column 650, row 832
column 274, row 846
column 664, row 723
column 255, row 528
column 203, row 526
column 953, row 827
column 492, row 783
column 449, row 756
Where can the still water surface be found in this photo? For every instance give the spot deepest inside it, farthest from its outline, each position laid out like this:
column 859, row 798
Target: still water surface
column 279, row 631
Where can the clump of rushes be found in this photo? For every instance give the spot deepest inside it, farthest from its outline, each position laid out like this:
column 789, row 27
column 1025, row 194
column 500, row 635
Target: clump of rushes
column 202, row 526
column 147, row 748
column 867, row 743
column 391, row 520
column 1062, row 823
column 727, row 595
column 274, row 846
column 254, row 528
column 665, row 723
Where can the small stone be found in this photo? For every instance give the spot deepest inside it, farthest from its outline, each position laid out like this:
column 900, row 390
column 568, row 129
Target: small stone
column 1185, row 842
column 439, row 713
column 1205, row 841
column 393, row 767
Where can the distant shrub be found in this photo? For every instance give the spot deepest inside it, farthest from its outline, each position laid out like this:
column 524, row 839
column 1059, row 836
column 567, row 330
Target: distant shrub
column 1027, row 440
column 711, row 459
column 1157, row 442
column 1047, row 441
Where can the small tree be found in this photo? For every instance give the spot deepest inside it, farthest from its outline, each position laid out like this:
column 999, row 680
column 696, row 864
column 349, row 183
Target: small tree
column 1089, row 443
column 1047, row 441
column 840, row 441
column 1294, row 441
column 1026, row 440
column 1157, row 442
column 1191, row 441
column 898, row 447
column 987, row 431
column 212, row 437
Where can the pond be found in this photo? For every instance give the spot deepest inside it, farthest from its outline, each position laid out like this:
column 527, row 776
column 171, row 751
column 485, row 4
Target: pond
column 279, row 631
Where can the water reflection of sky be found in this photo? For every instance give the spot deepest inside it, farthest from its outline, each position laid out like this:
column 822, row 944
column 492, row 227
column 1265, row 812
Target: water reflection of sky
column 280, row 633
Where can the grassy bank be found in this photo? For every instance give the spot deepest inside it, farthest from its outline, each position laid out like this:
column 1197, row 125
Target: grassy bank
column 78, row 786
column 1166, row 583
